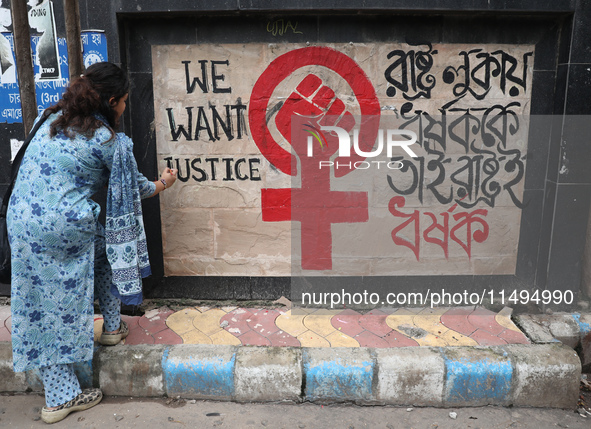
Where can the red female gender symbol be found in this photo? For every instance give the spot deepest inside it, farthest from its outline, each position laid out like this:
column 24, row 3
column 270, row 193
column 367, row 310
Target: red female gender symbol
column 314, row 205
column 281, row 68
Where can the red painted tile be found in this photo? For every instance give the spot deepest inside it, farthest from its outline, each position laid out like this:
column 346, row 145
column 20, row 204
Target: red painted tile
column 368, row 339
column 4, row 334
column 156, row 323
column 263, row 322
column 514, row 337
column 252, row 338
column 348, row 322
column 132, row 321
column 484, row 338
column 283, row 339
column 397, row 339
column 237, row 324
column 167, row 336
column 375, row 322
column 486, row 322
column 139, row 336
column 458, row 323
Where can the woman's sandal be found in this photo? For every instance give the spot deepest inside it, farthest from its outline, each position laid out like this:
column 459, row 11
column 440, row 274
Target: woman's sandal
column 87, row 399
column 107, row 339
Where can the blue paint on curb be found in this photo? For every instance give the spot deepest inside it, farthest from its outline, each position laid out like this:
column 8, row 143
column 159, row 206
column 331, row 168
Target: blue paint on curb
column 338, row 380
column 165, row 355
column 213, row 377
column 83, row 371
column 584, row 328
column 484, row 381
column 33, row 378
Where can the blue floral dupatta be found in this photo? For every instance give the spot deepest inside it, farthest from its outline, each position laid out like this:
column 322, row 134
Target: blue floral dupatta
column 125, row 237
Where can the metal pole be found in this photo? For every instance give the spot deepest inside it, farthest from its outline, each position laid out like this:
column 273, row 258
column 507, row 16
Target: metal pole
column 24, row 62
column 73, row 38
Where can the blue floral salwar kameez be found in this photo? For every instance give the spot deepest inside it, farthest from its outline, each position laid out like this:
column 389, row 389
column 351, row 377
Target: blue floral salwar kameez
column 53, row 226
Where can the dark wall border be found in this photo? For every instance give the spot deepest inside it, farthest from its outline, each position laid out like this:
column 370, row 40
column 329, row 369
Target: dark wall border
column 550, row 236
column 543, row 30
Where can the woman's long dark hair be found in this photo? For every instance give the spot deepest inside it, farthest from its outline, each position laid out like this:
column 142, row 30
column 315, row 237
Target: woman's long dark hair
column 88, row 96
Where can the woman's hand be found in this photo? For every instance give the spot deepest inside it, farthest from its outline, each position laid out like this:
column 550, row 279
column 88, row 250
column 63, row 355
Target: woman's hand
column 167, row 179
column 169, row 176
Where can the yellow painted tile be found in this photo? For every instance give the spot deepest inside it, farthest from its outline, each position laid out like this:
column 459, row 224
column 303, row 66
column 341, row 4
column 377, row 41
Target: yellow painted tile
column 431, row 340
column 209, row 321
column 319, row 324
column 195, row 337
column 224, row 337
column 503, row 318
column 430, row 324
column 425, row 339
column 454, row 338
column 293, row 325
column 182, row 321
column 338, row 339
column 396, row 319
column 397, row 322
column 312, row 339
column 228, row 309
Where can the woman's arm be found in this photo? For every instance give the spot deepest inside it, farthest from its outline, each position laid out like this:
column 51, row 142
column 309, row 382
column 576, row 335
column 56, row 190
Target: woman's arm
column 167, row 179
column 146, row 187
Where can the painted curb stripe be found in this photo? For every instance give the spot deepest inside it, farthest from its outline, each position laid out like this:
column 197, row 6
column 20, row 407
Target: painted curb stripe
column 83, row 371
column 338, row 380
column 33, row 378
column 470, row 376
column 477, row 380
column 198, row 376
column 584, row 328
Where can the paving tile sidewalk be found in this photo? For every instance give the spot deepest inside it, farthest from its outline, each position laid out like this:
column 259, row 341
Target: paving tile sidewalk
column 438, row 327
column 387, row 356
column 385, row 328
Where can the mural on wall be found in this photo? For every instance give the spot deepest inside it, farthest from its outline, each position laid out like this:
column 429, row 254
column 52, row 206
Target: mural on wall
column 241, row 121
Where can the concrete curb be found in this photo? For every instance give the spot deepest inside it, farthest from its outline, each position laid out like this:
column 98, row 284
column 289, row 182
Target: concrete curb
column 573, row 330
column 539, row 375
